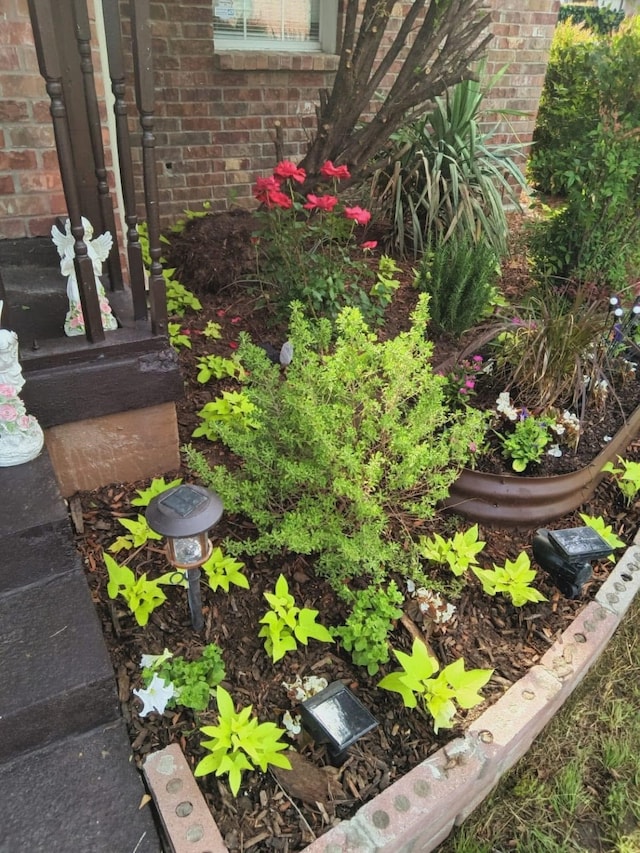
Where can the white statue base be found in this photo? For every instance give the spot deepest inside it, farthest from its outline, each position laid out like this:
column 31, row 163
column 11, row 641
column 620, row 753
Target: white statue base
column 21, row 438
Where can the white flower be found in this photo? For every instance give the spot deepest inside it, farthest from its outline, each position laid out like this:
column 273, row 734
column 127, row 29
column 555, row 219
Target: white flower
column 554, row 450
column 571, row 421
column 434, row 606
column 411, row 587
column 156, row 696
column 292, row 724
column 607, row 437
column 558, row 428
column 505, row 407
column 154, row 661
column 302, row 689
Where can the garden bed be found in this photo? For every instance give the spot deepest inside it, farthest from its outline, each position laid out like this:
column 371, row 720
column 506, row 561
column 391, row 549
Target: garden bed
column 276, row 811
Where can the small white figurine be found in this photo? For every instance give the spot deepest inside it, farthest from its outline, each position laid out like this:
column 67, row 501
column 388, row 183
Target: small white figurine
column 21, row 438
column 98, row 250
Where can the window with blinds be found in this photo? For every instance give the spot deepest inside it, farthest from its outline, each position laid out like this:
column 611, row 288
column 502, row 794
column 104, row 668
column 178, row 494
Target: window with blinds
column 272, row 24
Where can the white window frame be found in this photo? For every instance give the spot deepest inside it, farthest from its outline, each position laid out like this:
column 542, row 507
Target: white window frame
column 328, row 25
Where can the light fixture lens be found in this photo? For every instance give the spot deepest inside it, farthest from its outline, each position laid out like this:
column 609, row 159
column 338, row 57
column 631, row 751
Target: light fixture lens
column 188, row 550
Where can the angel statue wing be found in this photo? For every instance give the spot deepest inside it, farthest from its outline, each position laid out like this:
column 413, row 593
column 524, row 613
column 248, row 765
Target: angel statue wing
column 63, row 241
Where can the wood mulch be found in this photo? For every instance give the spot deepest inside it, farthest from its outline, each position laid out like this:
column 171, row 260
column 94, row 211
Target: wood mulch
column 286, row 811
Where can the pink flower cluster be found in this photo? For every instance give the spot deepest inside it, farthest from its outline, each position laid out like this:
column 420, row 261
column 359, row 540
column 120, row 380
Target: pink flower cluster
column 269, row 191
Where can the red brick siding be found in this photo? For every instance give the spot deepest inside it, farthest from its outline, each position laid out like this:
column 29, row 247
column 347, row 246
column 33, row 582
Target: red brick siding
column 216, row 113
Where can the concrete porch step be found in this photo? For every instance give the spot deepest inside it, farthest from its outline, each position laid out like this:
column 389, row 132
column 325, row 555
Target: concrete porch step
column 79, row 795
column 55, row 670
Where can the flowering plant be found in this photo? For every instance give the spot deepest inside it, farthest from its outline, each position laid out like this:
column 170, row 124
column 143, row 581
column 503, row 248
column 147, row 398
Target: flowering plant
column 309, row 246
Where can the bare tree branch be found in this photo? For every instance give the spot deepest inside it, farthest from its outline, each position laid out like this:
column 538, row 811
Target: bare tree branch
column 437, row 43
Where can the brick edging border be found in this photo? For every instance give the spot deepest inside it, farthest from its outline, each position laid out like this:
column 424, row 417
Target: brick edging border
column 418, row 812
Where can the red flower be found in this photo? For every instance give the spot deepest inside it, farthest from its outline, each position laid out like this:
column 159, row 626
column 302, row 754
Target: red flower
column 369, row 244
column 328, row 170
column 357, row 214
column 286, row 169
column 264, row 187
column 279, row 199
column 233, row 344
column 321, row 202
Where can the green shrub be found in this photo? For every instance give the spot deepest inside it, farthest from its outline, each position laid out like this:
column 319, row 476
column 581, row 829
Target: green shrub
column 459, row 275
column 355, row 444
column 589, row 78
column 569, row 106
column 445, row 176
column 595, row 237
column 597, row 18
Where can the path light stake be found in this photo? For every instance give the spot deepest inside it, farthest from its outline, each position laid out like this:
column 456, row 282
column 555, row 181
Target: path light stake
column 567, row 554
column 337, row 717
column 184, row 515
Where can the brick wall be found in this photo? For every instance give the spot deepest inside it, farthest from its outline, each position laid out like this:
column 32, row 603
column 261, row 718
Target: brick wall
column 216, row 113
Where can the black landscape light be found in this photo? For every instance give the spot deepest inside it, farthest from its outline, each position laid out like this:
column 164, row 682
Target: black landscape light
column 184, row 515
column 566, row 556
column 337, row 717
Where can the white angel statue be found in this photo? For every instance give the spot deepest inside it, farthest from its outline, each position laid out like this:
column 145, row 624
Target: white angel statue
column 21, row 438
column 98, row 250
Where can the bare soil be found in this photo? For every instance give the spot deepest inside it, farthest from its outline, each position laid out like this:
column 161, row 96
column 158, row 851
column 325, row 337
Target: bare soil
column 285, row 812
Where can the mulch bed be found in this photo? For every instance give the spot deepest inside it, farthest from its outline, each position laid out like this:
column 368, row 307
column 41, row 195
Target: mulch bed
column 285, row 812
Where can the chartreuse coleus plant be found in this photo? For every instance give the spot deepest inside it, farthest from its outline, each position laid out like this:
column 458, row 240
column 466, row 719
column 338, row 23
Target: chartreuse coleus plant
column 177, row 338
column 239, row 742
column 365, row 634
column 218, row 367
column 512, row 580
column 141, row 595
column 222, row 571
column 458, row 552
column 192, row 681
column 285, row 624
column 605, row 530
column 139, row 531
column 627, row 476
column 438, row 694
column 233, row 409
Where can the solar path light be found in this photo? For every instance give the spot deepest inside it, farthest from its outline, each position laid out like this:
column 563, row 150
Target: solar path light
column 337, row 717
column 566, row 556
column 184, row 515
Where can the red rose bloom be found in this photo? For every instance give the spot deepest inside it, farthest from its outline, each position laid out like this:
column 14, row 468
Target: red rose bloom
column 286, row 169
column 358, row 214
column 320, row 202
column 328, row 170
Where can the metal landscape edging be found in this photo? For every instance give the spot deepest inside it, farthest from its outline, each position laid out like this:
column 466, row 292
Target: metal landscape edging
column 507, row 500
column 417, row 813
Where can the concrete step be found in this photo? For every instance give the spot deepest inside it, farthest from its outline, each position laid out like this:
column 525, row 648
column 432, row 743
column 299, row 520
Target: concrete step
column 56, row 675
column 79, row 795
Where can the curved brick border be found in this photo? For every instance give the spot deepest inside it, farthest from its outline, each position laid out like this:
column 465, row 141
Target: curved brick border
column 418, row 812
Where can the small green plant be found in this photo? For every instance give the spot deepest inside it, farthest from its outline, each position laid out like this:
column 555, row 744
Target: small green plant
column 193, row 681
column 177, row 337
column 239, row 742
column 438, row 695
column 179, row 298
column 142, row 596
column 459, row 275
column 627, row 477
column 512, row 580
column 285, row 624
column 605, row 530
column 366, row 631
column 458, row 552
column 217, row 367
column 527, row 442
column 158, row 485
column 139, row 534
column 222, row 571
column 233, row 408
column 212, row 331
